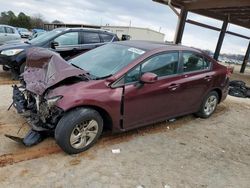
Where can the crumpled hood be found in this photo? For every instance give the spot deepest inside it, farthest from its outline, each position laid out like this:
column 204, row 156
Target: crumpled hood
column 45, row 68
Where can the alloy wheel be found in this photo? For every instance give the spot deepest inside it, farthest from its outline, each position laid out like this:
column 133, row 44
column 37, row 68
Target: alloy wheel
column 83, row 134
column 210, row 105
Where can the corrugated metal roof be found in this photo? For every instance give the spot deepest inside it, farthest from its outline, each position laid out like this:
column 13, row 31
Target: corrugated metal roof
column 236, row 11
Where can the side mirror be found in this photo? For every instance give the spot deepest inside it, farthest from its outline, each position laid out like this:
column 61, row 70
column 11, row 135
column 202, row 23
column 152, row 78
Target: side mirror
column 54, row 44
column 149, row 78
column 126, row 37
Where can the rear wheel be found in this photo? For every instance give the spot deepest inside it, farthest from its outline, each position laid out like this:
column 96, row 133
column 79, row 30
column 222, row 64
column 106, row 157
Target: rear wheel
column 78, row 130
column 209, row 105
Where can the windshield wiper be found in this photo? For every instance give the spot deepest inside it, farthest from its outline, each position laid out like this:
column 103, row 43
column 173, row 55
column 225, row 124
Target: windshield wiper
column 27, row 42
column 76, row 66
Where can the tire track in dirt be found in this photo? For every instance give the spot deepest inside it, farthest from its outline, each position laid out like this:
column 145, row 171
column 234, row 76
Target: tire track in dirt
column 107, row 139
column 5, row 78
column 27, row 154
column 8, row 82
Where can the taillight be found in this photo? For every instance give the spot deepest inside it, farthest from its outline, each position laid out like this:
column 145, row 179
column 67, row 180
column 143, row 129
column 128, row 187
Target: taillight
column 229, row 71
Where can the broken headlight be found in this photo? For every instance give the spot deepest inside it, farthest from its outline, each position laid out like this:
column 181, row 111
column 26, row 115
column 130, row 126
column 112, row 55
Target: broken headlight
column 52, row 101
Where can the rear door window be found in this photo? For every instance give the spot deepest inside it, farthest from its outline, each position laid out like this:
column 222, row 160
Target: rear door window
column 9, row 30
column 71, row 38
column 106, row 37
column 194, row 62
column 207, row 63
column 91, row 37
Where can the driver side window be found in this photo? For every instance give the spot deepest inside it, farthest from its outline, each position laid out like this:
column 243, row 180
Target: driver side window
column 162, row 65
column 68, row 39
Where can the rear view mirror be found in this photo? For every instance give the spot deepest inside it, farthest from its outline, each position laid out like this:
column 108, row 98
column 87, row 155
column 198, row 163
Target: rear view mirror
column 54, row 44
column 149, row 78
column 126, row 37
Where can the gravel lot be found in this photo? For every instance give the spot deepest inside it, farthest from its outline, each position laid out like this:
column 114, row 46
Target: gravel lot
column 189, row 152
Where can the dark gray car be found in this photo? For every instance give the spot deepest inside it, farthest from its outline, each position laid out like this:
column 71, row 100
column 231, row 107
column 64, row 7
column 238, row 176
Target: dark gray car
column 68, row 42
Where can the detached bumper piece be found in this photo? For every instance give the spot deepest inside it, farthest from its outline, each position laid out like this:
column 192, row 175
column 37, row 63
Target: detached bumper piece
column 30, row 139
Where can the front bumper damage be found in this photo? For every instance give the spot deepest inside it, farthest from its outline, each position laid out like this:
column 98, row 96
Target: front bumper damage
column 40, row 117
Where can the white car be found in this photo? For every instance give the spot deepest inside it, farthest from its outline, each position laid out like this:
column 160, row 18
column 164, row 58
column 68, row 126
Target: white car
column 8, row 33
column 24, row 33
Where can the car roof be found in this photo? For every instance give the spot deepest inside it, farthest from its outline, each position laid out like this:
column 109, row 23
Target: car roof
column 152, row 45
column 7, row 26
column 85, row 29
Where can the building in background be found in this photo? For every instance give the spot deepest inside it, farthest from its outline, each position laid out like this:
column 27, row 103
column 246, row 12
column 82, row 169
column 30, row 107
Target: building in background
column 136, row 33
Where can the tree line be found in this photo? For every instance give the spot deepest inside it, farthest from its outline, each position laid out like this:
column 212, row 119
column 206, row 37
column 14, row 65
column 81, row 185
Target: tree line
column 23, row 20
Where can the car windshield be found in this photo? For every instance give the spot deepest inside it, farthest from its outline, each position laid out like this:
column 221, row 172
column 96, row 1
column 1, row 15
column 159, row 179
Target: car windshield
column 106, row 60
column 46, row 36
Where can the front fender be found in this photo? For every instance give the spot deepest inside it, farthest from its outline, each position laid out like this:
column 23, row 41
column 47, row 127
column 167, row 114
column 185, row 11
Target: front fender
column 104, row 98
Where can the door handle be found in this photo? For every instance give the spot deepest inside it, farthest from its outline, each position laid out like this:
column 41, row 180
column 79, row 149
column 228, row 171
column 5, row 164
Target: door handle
column 208, row 78
column 173, row 86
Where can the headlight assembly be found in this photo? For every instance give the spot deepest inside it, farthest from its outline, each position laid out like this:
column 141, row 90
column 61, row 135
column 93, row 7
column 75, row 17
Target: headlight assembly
column 52, row 101
column 11, row 52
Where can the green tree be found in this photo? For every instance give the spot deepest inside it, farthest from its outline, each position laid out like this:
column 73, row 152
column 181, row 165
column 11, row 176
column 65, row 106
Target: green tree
column 23, row 21
column 6, row 17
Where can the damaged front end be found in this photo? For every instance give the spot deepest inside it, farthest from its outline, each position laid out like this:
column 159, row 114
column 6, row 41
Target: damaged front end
column 41, row 114
column 44, row 70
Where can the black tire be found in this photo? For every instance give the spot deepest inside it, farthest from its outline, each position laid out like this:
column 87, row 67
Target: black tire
column 70, row 123
column 237, row 83
column 238, row 92
column 5, row 68
column 248, row 93
column 22, row 68
column 202, row 113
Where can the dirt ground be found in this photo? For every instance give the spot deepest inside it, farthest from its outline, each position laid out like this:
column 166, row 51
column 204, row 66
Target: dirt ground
column 189, row 152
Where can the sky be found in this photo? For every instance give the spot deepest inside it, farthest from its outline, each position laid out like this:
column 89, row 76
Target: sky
column 141, row 13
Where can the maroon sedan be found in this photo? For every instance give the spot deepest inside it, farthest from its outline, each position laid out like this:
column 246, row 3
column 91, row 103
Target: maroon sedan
column 119, row 86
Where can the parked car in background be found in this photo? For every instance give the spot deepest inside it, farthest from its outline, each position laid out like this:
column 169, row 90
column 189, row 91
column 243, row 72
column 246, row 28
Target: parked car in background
column 8, row 33
column 118, row 86
column 38, row 31
column 35, row 35
column 68, row 42
column 24, row 33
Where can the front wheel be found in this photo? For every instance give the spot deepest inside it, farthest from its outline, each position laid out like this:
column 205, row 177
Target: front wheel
column 22, row 68
column 6, row 68
column 209, row 105
column 78, row 130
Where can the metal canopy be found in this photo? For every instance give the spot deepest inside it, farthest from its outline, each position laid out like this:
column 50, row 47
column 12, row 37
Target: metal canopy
column 235, row 11
column 229, row 11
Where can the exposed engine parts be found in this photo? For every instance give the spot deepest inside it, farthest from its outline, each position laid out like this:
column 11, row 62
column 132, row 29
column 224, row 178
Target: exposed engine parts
column 41, row 115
